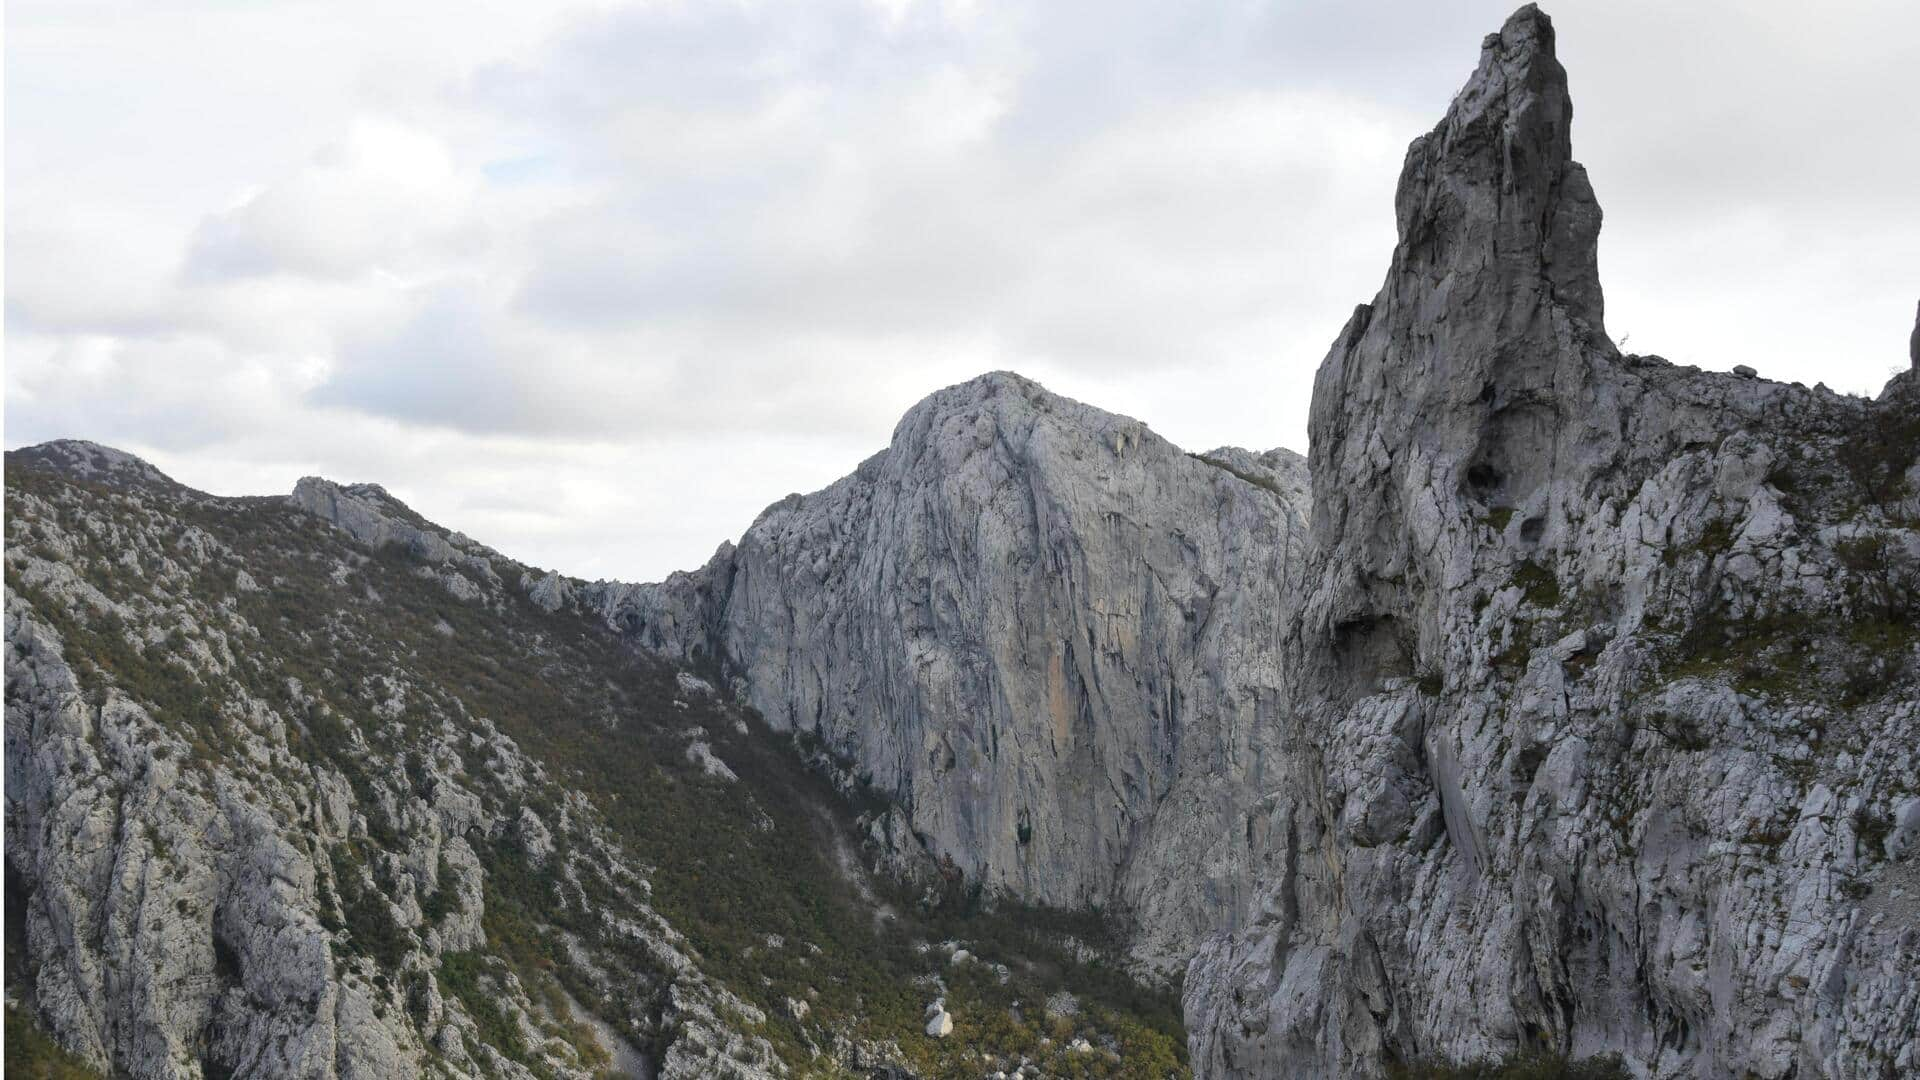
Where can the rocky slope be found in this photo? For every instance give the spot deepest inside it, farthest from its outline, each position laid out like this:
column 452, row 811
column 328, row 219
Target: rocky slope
column 311, row 787
column 1603, row 726
column 1047, row 631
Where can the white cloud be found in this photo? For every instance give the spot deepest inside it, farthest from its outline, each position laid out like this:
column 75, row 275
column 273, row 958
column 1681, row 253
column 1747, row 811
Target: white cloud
column 385, row 199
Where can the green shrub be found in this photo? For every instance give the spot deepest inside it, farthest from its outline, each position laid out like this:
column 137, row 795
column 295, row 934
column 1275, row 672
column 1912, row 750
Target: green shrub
column 372, row 931
column 468, row 978
column 1537, row 584
column 32, row 1053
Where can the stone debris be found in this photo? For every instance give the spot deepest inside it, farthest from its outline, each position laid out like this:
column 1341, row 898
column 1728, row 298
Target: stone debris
column 700, row 752
column 940, row 1024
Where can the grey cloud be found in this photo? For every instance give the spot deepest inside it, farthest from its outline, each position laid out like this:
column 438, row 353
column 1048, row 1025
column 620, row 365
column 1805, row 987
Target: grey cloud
column 226, row 246
column 692, row 59
column 446, row 365
column 176, row 392
column 457, row 363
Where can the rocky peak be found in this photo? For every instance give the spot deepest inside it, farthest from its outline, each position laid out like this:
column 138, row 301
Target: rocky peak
column 1489, row 319
column 1902, row 392
column 92, row 461
column 1497, row 223
column 1005, row 406
column 1492, row 198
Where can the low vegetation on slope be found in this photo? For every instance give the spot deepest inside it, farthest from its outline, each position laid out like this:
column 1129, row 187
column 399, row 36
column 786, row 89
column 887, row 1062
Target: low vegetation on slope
column 32, row 1053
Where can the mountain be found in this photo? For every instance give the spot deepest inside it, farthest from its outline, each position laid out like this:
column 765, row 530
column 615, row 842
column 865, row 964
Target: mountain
column 309, row 786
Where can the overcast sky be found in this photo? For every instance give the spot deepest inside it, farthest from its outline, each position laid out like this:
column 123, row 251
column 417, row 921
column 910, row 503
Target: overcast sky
column 596, row 282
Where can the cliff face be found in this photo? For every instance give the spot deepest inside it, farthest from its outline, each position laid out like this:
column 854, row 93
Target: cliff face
column 1603, row 711
column 1051, row 633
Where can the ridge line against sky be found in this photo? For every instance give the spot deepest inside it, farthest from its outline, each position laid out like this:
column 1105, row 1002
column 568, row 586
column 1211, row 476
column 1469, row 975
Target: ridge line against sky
column 594, row 283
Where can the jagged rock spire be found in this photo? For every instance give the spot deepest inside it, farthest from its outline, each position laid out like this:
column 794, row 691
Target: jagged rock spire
column 1493, row 196
column 1490, row 316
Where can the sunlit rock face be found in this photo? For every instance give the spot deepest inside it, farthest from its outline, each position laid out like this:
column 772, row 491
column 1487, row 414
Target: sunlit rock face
column 1053, row 633
column 1601, row 711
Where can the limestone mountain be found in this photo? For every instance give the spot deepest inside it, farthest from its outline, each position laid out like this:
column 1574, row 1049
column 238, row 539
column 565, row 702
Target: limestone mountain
column 310, row 787
column 1582, row 720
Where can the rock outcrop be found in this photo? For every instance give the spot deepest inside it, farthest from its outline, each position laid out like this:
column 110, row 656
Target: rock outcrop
column 1048, row 631
column 1600, row 695
column 371, row 516
column 160, row 910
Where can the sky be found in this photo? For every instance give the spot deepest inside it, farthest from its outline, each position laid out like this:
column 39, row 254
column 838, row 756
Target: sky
column 595, row 282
